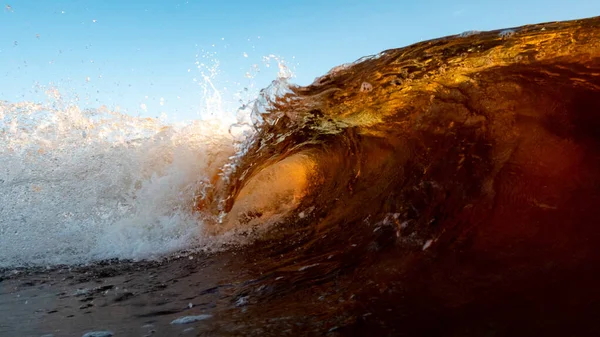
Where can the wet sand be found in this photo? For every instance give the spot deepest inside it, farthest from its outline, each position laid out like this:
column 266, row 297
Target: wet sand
column 395, row 292
column 144, row 298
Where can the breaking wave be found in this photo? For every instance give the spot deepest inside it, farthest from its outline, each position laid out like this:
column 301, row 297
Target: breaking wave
column 82, row 185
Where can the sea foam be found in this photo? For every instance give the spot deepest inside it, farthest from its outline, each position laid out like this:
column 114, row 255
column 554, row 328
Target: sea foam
column 78, row 185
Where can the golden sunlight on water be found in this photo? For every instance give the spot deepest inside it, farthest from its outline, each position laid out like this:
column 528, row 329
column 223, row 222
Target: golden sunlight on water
column 272, row 193
column 449, row 188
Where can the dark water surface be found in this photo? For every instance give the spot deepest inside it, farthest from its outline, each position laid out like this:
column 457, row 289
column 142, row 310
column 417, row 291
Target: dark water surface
column 450, row 188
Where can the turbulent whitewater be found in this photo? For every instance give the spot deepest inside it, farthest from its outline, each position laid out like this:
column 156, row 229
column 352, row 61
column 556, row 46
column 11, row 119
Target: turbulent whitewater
column 80, row 185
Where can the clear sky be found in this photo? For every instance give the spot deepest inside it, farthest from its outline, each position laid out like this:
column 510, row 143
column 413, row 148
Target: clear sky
column 148, row 57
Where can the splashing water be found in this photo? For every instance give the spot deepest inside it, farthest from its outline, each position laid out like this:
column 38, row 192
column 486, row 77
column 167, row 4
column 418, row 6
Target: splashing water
column 82, row 185
column 78, row 186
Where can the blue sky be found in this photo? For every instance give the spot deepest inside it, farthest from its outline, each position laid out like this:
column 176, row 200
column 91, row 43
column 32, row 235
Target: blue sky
column 133, row 53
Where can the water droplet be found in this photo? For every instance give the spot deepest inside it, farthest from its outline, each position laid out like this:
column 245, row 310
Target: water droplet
column 242, row 300
column 366, row 87
column 507, row 33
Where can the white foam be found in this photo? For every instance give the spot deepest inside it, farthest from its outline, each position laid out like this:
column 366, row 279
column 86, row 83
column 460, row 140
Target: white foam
column 83, row 185
column 190, row 319
column 507, row 33
column 78, row 186
column 469, row 33
column 99, row 334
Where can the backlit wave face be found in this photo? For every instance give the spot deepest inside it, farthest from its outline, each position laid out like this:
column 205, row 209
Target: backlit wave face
column 473, row 123
column 452, row 178
column 272, row 193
